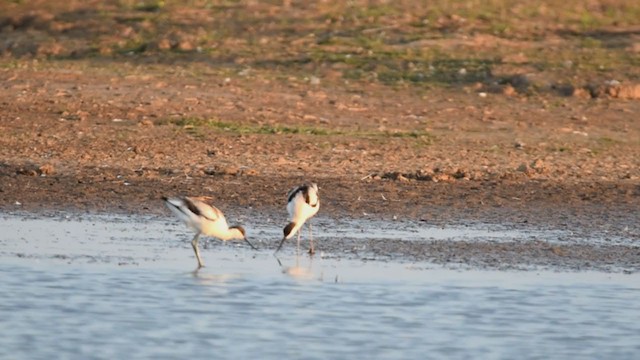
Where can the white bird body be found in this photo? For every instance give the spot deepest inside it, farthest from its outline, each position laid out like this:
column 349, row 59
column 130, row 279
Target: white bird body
column 204, row 219
column 303, row 203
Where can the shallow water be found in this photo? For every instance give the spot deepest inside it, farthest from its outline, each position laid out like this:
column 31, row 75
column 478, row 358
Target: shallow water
column 106, row 287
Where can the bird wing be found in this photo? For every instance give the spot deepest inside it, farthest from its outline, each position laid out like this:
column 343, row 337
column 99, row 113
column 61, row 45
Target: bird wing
column 200, row 208
column 293, row 192
column 312, row 196
column 308, row 193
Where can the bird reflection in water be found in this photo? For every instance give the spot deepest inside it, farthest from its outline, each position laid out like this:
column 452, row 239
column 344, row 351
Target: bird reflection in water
column 299, row 272
column 206, row 279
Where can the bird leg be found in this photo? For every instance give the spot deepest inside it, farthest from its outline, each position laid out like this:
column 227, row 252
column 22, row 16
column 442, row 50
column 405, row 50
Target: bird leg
column 298, row 248
column 194, row 243
column 311, row 250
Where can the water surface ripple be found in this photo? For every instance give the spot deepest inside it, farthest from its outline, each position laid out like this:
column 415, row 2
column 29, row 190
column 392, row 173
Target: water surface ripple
column 109, row 289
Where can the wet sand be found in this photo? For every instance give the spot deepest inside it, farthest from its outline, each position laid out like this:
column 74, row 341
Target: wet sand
column 110, row 127
column 134, row 240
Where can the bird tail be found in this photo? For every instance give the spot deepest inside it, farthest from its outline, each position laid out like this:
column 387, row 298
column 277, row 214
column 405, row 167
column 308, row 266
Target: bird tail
column 177, row 206
column 172, row 202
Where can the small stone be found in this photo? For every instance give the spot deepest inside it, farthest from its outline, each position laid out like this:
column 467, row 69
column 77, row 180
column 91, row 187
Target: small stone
column 564, row 89
column 595, row 91
column 524, row 168
column 46, row 169
column 164, row 44
column 27, row 172
column 139, row 149
column 493, row 88
column 509, row 90
column 146, row 122
column 459, row 174
column 612, row 82
column 521, row 82
column 314, row 80
column 395, row 175
column 539, row 166
column 230, row 170
column 185, row 46
column 629, row 91
column 581, row 93
column 442, row 177
column 424, row 175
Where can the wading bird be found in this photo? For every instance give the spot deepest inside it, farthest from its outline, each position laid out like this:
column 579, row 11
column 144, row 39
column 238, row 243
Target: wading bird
column 302, row 204
column 205, row 219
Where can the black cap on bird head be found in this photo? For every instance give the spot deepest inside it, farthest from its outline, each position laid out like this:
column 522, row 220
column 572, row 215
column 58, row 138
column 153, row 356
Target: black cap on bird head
column 241, row 229
column 287, row 229
column 244, row 235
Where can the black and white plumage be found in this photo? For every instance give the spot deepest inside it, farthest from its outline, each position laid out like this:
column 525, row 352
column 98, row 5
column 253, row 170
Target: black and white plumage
column 303, row 203
column 205, row 219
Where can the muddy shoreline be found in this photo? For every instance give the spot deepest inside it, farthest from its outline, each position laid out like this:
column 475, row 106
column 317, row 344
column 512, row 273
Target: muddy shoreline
column 599, row 233
column 582, row 220
column 443, row 116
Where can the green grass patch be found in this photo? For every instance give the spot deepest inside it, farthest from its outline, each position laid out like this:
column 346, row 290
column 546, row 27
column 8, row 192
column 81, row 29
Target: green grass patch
column 195, row 126
column 139, row 5
column 391, row 67
column 191, row 123
column 605, row 141
column 443, row 44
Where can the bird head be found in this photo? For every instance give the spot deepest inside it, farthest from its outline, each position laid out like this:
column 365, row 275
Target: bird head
column 239, row 233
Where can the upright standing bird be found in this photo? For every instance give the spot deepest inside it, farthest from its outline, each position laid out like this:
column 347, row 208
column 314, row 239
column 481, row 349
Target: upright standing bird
column 302, row 204
column 204, row 219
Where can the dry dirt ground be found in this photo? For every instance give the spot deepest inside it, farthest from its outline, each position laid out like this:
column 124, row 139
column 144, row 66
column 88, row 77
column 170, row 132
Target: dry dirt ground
column 440, row 115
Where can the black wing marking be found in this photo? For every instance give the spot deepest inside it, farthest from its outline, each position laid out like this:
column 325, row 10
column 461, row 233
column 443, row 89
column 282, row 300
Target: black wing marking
column 305, row 191
column 307, row 197
column 192, row 207
column 240, row 228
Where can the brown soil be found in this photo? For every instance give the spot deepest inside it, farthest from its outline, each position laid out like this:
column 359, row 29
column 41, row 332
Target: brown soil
column 106, row 150
column 116, row 133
